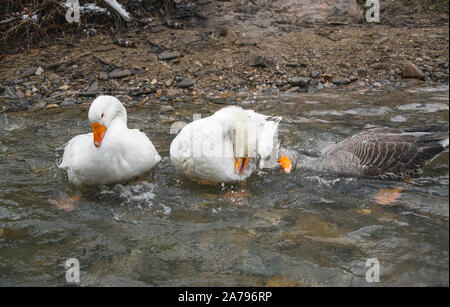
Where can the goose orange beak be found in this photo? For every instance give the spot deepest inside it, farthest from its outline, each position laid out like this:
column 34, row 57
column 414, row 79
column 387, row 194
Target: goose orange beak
column 286, row 164
column 240, row 165
column 99, row 132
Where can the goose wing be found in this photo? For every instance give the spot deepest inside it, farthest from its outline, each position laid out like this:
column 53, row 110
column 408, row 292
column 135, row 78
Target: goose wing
column 384, row 152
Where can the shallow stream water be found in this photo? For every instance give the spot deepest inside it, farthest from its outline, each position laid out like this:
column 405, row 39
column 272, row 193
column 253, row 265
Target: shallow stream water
column 304, row 229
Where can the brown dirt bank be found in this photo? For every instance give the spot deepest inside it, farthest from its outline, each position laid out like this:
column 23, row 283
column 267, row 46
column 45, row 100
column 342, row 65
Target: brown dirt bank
column 228, row 51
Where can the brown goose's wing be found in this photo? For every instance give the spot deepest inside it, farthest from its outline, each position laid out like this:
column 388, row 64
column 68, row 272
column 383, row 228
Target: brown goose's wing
column 383, row 152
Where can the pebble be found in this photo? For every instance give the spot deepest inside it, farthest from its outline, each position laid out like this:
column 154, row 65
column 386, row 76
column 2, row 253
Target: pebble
column 293, row 89
column 103, row 75
column 411, row 70
column 10, row 92
column 29, row 72
column 39, row 71
column 298, row 81
column 315, row 73
column 119, row 73
column 259, row 61
column 341, row 81
column 167, row 108
column 93, row 87
column 169, row 55
column 38, row 106
column 67, row 102
column 185, row 83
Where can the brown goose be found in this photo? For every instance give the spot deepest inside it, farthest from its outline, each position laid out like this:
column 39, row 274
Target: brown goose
column 380, row 152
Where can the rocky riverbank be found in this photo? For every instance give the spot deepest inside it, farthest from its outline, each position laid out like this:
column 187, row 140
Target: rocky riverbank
column 232, row 52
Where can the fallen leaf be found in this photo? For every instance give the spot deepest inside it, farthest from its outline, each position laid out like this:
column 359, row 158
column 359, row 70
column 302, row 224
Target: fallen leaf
column 67, row 203
column 388, row 196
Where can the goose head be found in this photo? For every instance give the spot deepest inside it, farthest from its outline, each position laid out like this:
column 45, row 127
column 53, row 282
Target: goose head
column 243, row 133
column 103, row 112
column 245, row 128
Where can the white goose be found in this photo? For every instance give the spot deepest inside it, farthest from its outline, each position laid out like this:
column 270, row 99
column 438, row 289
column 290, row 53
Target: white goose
column 111, row 153
column 226, row 146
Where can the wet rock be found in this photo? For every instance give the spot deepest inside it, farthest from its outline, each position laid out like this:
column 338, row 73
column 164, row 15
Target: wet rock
column 67, row 102
column 259, row 61
column 103, row 75
column 315, row 73
column 186, row 82
column 293, row 89
column 28, row 72
column 10, row 92
column 20, row 105
column 411, row 70
column 39, row 71
column 38, row 106
column 93, row 88
column 285, row 87
column 340, row 81
column 169, row 55
column 167, row 108
column 119, row 73
column 298, row 81
column 319, row 86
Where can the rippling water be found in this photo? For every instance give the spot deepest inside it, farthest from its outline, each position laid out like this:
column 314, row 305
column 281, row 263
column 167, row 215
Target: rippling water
column 303, row 229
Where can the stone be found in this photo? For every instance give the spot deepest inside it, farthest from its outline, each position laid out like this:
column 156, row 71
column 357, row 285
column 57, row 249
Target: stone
column 169, row 55
column 185, row 83
column 103, row 75
column 93, row 87
column 411, row 70
column 29, row 72
column 293, row 89
column 119, row 73
column 38, row 106
column 315, row 73
column 67, row 102
column 298, row 81
column 10, row 92
column 342, row 81
column 259, row 61
column 39, row 71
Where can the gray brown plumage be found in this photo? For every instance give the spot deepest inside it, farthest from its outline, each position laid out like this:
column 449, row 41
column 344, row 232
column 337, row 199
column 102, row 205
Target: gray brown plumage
column 380, row 152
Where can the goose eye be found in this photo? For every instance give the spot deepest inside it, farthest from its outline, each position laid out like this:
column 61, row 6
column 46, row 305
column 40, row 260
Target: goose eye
column 101, row 116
